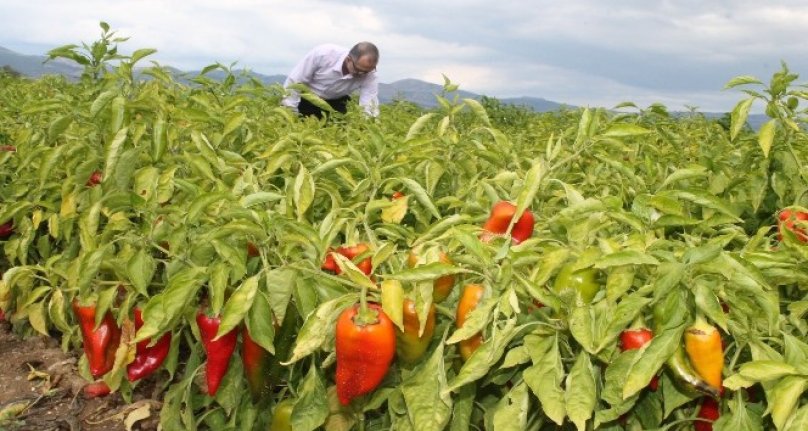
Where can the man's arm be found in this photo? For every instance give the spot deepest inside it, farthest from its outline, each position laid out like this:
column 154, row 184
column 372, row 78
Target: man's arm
column 369, row 95
column 302, row 72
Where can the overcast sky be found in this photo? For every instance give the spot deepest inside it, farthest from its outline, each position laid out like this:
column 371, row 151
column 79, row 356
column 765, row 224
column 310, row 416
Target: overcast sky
column 582, row 52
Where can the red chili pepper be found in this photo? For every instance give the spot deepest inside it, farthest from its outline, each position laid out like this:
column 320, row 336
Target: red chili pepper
column 500, row 219
column 256, row 364
column 365, row 265
column 147, row 358
column 6, row 229
column 365, row 350
column 218, row 351
column 634, row 338
column 396, row 195
column 99, row 343
column 709, row 410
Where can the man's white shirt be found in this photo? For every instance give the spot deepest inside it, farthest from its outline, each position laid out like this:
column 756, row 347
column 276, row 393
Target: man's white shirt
column 321, row 71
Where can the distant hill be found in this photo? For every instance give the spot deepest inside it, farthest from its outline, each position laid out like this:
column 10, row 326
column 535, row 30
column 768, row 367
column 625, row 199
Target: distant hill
column 34, row 66
column 413, row 90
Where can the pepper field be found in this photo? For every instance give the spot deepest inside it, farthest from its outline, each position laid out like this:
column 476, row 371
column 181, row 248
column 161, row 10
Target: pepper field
column 213, row 199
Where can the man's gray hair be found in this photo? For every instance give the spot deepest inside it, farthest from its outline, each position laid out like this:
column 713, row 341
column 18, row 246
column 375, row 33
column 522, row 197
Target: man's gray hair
column 365, row 49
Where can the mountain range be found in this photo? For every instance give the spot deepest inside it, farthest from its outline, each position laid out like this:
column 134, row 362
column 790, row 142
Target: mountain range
column 413, row 90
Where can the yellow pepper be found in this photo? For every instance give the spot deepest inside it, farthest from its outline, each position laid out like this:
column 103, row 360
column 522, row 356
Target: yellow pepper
column 703, row 346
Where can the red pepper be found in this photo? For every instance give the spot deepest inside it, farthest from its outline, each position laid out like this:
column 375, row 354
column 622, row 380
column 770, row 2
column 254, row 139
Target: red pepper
column 99, row 343
column 95, row 179
column 365, row 348
column 470, row 298
column 788, row 218
column 396, row 195
column 218, row 352
column 96, row 389
column 634, row 338
column 147, row 358
column 256, row 364
column 6, row 229
column 365, row 265
column 500, row 219
column 410, row 346
column 252, row 249
column 709, row 410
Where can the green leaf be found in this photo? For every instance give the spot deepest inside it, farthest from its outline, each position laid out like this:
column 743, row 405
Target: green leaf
column 581, row 394
column 762, row 371
column 784, row 399
column 427, row 272
column 625, row 257
column 428, row 405
column 259, row 198
column 113, row 152
column 422, row 196
column 653, row 356
column 478, row 109
column 141, row 268
column 766, row 136
column 201, row 203
column 582, row 328
column 621, row 316
column 708, row 303
column 481, row 361
column 418, row 125
column 317, row 326
column 260, row 323
column 237, row 306
column 303, row 192
column 707, row 200
column 165, row 308
column 140, row 53
column 280, row 284
column 393, row 301
column 546, row 375
column 532, row 183
column 311, row 409
column 738, row 117
column 233, row 123
column 511, row 412
column 799, row 421
column 58, row 126
column 350, row 270
column 624, row 130
column 685, row 174
column 475, row 321
column 742, row 80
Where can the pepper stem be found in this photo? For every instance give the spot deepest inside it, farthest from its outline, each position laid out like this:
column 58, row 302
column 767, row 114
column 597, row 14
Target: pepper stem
column 365, row 316
column 639, row 323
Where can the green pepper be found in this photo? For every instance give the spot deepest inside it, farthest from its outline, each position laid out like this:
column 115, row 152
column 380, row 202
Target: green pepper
column 584, row 281
column 282, row 416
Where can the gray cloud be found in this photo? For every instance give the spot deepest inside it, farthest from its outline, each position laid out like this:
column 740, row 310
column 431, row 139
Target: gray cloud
column 579, row 51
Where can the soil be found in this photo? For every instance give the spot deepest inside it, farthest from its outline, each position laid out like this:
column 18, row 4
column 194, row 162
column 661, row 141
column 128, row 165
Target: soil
column 41, row 390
